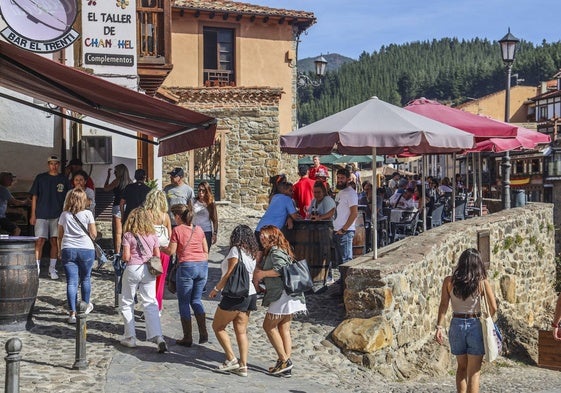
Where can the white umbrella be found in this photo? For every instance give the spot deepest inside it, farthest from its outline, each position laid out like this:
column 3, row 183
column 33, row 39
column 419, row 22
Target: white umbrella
column 376, row 127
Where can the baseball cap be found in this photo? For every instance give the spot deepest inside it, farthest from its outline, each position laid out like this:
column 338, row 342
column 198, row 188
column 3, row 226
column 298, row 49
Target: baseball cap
column 75, row 161
column 139, row 174
column 53, row 158
column 177, row 172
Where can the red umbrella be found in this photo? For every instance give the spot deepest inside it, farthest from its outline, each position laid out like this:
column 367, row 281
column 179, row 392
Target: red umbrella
column 480, row 126
column 525, row 139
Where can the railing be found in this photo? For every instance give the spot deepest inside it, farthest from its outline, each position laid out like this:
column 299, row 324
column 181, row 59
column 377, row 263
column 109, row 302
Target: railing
column 213, row 78
column 150, row 29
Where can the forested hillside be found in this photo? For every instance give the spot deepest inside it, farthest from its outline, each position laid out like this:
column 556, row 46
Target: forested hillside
column 445, row 70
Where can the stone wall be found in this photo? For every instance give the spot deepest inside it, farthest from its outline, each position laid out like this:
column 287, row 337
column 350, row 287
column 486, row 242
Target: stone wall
column 249, row 120
column 392, row 302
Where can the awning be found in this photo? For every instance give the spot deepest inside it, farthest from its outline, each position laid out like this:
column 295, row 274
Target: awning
column 176, row 129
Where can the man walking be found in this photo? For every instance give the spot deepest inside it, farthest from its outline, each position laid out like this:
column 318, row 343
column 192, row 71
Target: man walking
column 48, row 192
column 346, row 214
column 177, row 192
column 134, row 194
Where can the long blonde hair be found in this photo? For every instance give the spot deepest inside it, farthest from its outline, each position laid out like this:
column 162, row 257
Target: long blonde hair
column 139, row 222
column 123, row 176
column 76, row 200
column 156, row 202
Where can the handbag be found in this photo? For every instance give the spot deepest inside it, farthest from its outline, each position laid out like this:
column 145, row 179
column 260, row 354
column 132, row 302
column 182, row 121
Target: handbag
column 238, row 283
column 99, row 253
column 172, row 283
column 162, row 233
column 296, row 277
column 490, row 331
column 154, row 263
column 172, row 276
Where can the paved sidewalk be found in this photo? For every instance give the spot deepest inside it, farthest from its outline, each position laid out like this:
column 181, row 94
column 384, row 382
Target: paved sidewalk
column 319, row 367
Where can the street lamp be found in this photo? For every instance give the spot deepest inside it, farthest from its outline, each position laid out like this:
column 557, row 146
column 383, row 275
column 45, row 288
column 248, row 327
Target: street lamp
column 304, row 80
column 509, row 44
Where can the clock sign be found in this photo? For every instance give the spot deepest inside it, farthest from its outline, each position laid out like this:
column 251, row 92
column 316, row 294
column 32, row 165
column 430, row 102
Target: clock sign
column 39, row 25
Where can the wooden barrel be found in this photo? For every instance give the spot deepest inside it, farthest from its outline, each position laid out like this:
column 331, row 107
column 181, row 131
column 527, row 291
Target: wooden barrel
column 311, row 240
column 19, row 281
column 360, row 235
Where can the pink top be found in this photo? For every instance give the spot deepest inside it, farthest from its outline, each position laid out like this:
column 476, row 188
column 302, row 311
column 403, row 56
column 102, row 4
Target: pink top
column 149, row 242
column 189, row 250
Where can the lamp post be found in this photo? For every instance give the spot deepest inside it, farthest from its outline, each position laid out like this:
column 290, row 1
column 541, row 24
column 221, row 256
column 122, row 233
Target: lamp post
column 304, row 80
column 509, row 45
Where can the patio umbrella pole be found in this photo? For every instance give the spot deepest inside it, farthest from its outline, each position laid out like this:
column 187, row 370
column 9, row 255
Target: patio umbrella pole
column 374, row 212
column 424, row 190
column 454, row 188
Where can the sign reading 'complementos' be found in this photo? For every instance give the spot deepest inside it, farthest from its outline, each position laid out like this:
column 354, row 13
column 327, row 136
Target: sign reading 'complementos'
column 109, row 36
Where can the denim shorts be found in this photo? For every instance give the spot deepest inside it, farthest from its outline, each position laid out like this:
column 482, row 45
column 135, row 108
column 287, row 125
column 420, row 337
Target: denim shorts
column 466, row 337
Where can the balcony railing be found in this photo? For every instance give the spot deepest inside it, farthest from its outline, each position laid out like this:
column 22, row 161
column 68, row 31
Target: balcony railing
column 150, row 31
column 218, row 78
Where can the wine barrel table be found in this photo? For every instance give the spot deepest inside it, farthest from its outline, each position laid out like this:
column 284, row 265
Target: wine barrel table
column 19, row 281
column 311, row 240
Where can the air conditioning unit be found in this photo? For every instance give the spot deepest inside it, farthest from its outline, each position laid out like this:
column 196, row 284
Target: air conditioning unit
column 96, row 150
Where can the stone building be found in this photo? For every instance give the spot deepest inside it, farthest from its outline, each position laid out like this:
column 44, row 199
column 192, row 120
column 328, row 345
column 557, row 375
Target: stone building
column 236, row 62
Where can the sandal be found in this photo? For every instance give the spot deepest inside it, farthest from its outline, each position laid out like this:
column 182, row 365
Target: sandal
column 241, row 371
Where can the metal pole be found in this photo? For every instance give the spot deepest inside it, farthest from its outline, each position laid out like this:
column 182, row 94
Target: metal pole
column 374, row 212
column 13, row 349
column 81, row 333
column 506, row 159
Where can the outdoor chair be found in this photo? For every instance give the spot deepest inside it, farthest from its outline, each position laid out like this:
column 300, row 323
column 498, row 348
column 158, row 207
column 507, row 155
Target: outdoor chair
column 435, row 217
column 406, row 228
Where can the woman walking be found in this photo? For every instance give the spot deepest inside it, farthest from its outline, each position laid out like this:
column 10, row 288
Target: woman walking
column 157, row 205
column 277, row 253
column 139, row 244
column 189, row 243
column 79, row 179
column 243, row 249
column 205, row 214
column 464, row 289
column 76, row 229
column 122, row 179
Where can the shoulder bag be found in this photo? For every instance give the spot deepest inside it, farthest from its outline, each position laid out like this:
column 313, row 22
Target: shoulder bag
column 491, row 336
column 172, row 276
column 238, row 283
column 154, row 263
column 296, row 277
column 99, row 253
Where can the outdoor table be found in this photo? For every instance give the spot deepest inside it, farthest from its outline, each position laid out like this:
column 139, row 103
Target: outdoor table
column 311, row 240
column 19, row 281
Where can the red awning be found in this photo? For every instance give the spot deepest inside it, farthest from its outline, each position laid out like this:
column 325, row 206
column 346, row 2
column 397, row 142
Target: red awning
column 177, row 129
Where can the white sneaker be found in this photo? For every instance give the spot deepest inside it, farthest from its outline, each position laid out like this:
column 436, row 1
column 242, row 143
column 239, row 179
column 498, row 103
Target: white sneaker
column 89, row 309
column 72, row 319
column 162, row 346
column 129, row 342
column 53, row 274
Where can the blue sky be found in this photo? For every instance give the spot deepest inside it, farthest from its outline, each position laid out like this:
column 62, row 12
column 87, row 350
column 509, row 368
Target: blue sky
column 349, row 27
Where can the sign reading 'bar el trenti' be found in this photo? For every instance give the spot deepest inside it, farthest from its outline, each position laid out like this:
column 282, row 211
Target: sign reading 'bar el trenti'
column 39, row 25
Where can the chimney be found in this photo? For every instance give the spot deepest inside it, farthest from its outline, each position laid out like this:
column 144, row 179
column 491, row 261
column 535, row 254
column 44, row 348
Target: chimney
column 543, row 87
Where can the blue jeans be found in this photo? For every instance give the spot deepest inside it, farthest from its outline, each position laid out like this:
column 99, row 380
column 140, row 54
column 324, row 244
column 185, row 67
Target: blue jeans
column 78, row 264
column 191, row 279
column 466, row 337
column 343, row 247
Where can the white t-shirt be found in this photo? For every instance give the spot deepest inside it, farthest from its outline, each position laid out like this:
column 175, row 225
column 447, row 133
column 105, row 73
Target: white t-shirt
column 248, row 261
column 345, row 199
column 74, row 236
column 201, row 216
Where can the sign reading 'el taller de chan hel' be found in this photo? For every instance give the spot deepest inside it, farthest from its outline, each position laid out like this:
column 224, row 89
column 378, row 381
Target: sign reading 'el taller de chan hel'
column 39, row 25
column 109, row 36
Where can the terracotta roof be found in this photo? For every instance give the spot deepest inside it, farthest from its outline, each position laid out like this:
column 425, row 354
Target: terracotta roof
column 235, row 7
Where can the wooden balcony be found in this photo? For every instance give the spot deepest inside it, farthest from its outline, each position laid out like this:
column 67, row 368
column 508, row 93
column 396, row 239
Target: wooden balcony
column 154, row 43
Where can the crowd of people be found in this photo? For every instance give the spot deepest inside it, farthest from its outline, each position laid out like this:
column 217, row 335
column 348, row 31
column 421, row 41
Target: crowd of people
column 179, row 227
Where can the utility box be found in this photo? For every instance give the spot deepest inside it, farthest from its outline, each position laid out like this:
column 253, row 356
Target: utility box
column 549, row 350
column 96, row 149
